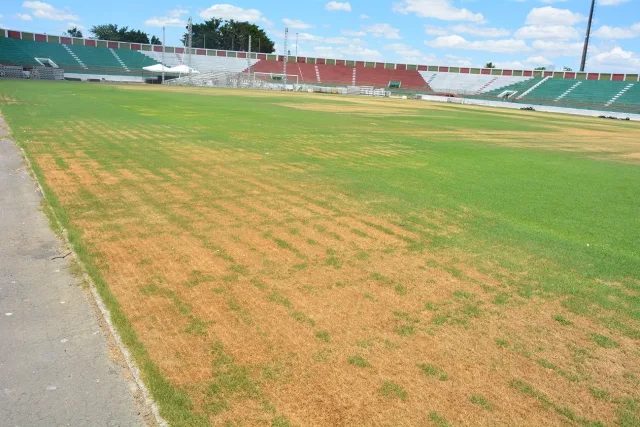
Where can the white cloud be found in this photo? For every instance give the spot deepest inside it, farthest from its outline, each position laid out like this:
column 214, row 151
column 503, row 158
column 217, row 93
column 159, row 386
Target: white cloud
column 173, row 19
column 74, row 25
column 352, row 33
column 407, row 52
column 531, row 62
column 615, row 59
column 46, row 11
column 363, row 16
column 480, row 31
column 383, row 31
column 617, row 33
column 227, row 11
column 436, row 31
column 296, row 24
column 611, row 2
column 438, row 9
column 336, row 5
column 549, row 15
column 548, row 32
column 459, row 42
column 347, row 52
column 558, row 48
column 24, row 16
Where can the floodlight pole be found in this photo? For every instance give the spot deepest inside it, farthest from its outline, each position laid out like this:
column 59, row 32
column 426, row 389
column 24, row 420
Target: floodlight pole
column 162, row 62
column 286, row 57
column 189, row 52
column 296, row 46
column 586, row 38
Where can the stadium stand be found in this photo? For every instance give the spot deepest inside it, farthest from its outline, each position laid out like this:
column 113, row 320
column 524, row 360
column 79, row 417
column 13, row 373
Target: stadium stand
column 203, row 63
column 84, row 58
column 468, row 84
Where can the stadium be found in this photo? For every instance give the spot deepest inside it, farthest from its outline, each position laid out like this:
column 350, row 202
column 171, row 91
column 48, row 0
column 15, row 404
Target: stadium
column 279, row 240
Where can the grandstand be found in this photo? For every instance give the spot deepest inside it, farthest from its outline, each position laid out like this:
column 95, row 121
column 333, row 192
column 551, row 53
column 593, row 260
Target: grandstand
column 88, row 59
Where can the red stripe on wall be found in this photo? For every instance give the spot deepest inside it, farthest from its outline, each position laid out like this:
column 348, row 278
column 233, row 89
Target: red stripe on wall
column 201, row 52
column 135, row 46
column 528, row 73
column 112, row 45
column 618, row 77
column 41, row 38
column 423, row 68
column 65, row 40
column 88, row 42
column 507, row 72
column 485, row 71
column 592, row 76
column 14, row 34
column 465, row 70
column 262, row 56
column 569, row 75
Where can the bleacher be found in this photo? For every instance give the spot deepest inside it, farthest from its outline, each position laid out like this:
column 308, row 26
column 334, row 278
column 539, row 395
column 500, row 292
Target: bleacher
column 82, row 58
column 202, row 63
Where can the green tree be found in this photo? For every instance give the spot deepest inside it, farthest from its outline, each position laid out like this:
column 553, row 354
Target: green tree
column 489, row 65
column 124, row 34
column 229, row 35
column 541, row 68
column 565, row 68
column 155, row 40
column 74, row 32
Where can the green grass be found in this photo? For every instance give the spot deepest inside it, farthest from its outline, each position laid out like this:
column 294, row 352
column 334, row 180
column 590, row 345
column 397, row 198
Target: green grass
column 526, row 210
column 393, row 390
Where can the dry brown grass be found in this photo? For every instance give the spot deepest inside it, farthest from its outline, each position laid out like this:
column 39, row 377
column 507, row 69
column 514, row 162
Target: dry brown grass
column 261, row 264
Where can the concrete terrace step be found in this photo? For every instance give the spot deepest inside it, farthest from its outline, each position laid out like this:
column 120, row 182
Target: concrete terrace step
column 486, row 85
column 568, row 91
column 619, row 94
column 75, row 56
column 113, row 52
column 532, row 88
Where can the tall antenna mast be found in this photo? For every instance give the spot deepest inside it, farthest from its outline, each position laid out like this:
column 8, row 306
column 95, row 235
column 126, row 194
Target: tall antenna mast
column 189, row 49
column 286, row 57
column 586, row 39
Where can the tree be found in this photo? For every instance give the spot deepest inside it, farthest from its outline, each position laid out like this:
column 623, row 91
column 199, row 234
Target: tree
column 540, row 68
column 229, row 35
column 124, row 34
column 565, row 68
column 155, row 40
column 489, row 65
column 74, row 32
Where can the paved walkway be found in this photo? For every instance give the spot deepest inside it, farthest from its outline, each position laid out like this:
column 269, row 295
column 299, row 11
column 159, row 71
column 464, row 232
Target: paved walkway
column 55, row 368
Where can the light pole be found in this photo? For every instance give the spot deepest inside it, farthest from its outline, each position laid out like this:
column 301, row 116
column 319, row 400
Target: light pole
column 586, row 39
column 162, row 62
column 296, row 46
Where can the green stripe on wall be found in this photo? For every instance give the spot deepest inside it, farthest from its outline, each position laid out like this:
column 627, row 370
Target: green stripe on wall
column 56, row 39
column 412, row 67
column 605, row 76
column 331, row 62
column 433, row 68
column 27, row 36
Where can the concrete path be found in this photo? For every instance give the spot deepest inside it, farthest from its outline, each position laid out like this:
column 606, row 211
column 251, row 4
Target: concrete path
column 55, row 368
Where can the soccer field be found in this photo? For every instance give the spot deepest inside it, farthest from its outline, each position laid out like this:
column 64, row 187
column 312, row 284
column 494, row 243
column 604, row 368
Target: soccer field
column 288, row 259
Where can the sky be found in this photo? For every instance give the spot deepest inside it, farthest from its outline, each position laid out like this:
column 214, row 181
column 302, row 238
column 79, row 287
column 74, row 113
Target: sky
column 509, row 33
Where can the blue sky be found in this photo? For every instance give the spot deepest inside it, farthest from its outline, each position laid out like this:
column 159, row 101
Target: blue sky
column 510, row 33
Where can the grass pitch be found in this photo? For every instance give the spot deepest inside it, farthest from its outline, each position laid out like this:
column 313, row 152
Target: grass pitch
column 299, row 260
